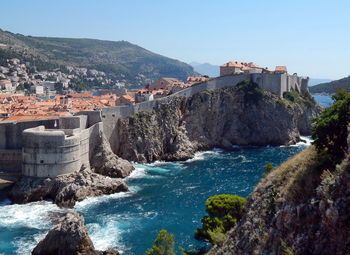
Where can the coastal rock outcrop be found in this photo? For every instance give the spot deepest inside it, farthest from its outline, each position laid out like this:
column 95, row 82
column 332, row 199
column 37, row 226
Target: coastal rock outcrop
column 65, row 190
column 104, row 161
column 296, row 209
column 175, row 129
column 69, row 237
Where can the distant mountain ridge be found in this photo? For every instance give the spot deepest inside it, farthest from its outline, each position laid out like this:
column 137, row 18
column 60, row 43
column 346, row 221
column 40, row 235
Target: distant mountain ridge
column 331, row 87
column 316, row 81
column 121, row 60
column 206, row 69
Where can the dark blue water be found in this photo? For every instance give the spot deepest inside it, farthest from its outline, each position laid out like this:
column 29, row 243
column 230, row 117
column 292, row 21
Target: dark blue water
column 163, row 195
column 324, row 101
column 172, row 196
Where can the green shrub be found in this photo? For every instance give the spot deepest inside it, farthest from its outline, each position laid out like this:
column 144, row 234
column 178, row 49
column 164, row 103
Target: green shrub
column 163, row 245
column 268, row 168
column 330, row 131
column 252, row 92
column 223, row 213
column 292, row 96
column 285, row 249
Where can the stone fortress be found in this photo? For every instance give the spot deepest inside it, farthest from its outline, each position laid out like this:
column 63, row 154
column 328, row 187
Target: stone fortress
column 57, row 146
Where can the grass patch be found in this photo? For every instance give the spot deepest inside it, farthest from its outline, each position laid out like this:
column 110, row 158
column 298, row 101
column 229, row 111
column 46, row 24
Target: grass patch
column 297, row 178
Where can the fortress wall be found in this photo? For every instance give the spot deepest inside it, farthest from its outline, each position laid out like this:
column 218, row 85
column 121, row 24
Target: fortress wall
column 11, row 161
column 294, row 83
column 93, row 117
column 94, row 137
column 72, row 122
column 89, row 140
column 84, row 147
column 275, row 83
column 304, row 84
column 11, row 132
column 49, row 153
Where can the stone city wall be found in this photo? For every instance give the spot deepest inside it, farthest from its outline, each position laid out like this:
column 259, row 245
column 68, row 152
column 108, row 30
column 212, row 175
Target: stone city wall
column 11, row 161
column 275, row 83
column 49, row 153
column 62, row 145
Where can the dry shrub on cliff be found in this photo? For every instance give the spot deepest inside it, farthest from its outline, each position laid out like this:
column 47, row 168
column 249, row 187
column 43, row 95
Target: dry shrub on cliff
column 298, row 175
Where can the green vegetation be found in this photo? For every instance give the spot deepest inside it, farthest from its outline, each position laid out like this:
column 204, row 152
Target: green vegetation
column 223, row 213
column 20, row 87
column 252, row 92
column 331, row 87
column 305, row 99
column 120, row 60
column 292, row 96
column 285, row 249
column 330, row 131
column 268, row 168
column 59, row 87
column 163, row 244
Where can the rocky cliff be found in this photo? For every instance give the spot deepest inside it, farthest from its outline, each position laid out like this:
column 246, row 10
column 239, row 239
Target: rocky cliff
column 69, row 237
column 176, row 129
column 299, row 208
column 104, row 161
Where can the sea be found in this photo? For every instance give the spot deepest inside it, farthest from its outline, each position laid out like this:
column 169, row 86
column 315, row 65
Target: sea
column 163, row 195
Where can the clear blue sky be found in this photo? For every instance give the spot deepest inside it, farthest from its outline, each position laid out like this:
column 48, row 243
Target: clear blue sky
column 310, row 37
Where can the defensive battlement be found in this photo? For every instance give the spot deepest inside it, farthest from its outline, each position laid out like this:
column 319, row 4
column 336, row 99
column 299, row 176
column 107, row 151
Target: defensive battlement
column 56, row 146
column 49, row 153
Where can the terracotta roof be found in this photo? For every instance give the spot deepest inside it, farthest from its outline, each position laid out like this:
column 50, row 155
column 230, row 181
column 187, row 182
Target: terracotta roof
column 281, row 68
column 129, row 98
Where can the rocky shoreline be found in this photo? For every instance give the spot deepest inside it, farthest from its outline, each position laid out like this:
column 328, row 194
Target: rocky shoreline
column 69, row 236
column 65, row 190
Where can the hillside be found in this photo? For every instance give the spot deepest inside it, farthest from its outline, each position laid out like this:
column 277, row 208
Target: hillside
column 121, row 61
column 330, row 87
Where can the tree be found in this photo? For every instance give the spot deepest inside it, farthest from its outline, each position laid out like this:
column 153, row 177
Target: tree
column 223, row 213
column 59, row 87
column 163, row 245
column 330, row 130
column 20, row 87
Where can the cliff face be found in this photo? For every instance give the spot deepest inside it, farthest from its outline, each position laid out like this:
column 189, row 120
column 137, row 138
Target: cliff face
column 175, row 130
column 296, row 209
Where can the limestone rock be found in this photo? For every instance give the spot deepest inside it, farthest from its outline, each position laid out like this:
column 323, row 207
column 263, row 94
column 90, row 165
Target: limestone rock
column 105, row 162
column 177, row 128
column 69, row 236
column 65, row 190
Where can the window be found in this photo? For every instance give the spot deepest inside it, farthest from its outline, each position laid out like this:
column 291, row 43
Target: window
column 41, row 161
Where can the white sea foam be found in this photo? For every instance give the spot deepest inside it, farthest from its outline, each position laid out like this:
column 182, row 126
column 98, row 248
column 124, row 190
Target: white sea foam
column 26, row 244
column 91, row 201
column 31, row 215
column 307, row 140
column 139, row 172
column 201, row 155
column 105, row 236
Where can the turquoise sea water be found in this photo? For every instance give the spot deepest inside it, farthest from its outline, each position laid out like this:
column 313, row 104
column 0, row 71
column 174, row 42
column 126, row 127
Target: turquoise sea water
column 162, row 195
